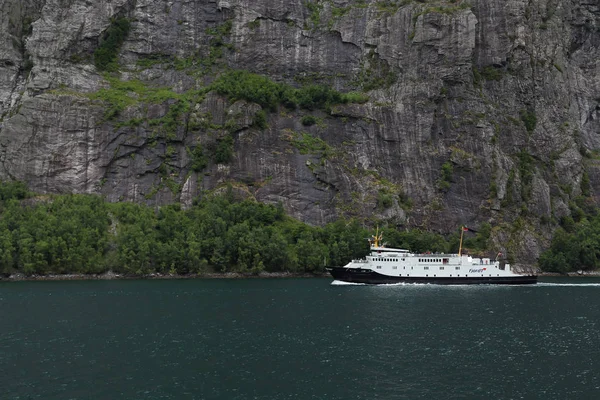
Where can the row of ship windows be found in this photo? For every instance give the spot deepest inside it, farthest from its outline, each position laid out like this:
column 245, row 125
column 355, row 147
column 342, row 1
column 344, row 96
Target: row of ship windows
column 430, row 260
column 440, row 268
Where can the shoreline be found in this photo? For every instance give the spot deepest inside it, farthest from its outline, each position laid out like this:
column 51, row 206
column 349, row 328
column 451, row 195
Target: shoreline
column 155, row 276
column 584, row 274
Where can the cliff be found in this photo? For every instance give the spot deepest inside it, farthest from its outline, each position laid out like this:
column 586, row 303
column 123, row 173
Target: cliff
column 478, row 111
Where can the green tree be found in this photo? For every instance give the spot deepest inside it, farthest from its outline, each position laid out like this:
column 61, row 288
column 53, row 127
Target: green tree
column 6, row 253
column 105, row 56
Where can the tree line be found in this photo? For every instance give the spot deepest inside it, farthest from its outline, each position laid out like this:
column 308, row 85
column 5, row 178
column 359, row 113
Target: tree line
column 576, row 243
column 83, row 234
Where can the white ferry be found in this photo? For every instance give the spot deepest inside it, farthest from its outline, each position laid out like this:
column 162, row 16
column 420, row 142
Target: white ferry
column 388, row 265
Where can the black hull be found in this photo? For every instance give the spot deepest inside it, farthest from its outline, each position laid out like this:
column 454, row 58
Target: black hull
column 370, row 277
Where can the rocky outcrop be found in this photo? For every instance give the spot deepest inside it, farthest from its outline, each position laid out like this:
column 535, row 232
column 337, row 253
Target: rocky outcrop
column 478, row 111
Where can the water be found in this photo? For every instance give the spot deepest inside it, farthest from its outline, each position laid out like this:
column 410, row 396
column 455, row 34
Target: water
column 298, row 339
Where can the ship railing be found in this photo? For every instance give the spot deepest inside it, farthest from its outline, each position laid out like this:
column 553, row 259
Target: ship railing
column 426, row 254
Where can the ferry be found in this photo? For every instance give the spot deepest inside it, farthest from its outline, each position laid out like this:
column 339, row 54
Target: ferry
column 386, row 265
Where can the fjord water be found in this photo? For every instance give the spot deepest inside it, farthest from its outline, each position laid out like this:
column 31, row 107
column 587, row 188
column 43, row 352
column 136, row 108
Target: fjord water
column 298, row 339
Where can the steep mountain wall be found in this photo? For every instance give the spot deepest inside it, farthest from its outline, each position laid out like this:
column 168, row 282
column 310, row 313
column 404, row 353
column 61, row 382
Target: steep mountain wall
column 479, row 110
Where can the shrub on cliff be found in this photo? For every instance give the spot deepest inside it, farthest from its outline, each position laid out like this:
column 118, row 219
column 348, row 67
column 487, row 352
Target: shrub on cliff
column 105, row 56
column 13, row 190
column 244, row 85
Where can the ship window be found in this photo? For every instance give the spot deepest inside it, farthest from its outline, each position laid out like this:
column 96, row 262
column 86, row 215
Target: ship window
column 426, row 268
column 394, row 267
column 441, row 268
column 403, row 259
column 379, row 267
column 457, row 268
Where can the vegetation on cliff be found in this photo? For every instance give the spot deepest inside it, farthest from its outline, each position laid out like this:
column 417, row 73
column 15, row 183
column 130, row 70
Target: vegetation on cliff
column 576, row 243
column 261, row 90
column 84, row 234
column 105, row 56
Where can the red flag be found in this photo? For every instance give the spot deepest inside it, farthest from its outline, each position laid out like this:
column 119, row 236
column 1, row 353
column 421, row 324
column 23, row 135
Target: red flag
column 465, row 228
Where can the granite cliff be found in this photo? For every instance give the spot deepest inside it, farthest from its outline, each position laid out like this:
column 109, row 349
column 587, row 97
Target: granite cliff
column 479, row 111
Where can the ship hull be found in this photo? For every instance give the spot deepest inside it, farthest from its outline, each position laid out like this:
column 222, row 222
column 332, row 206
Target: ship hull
column 354, row 275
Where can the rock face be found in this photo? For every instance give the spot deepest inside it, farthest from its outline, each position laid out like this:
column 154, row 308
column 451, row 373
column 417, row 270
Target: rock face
column 478, row 111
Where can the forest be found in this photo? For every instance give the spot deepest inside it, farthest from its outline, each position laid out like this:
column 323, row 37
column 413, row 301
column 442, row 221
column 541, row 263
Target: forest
column 84, row 234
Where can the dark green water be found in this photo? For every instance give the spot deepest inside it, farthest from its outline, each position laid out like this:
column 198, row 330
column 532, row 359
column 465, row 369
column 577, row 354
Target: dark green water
column 298, row 339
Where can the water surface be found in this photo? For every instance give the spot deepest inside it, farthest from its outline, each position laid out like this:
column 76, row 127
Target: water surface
column 298, row 339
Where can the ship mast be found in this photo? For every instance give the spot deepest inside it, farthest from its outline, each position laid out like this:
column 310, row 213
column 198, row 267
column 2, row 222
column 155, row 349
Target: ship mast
column 376, row 240
column 462, row 232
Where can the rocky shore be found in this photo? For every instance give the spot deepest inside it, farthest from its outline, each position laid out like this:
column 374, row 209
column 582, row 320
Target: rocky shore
column 113, row 276
column 591, row 274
